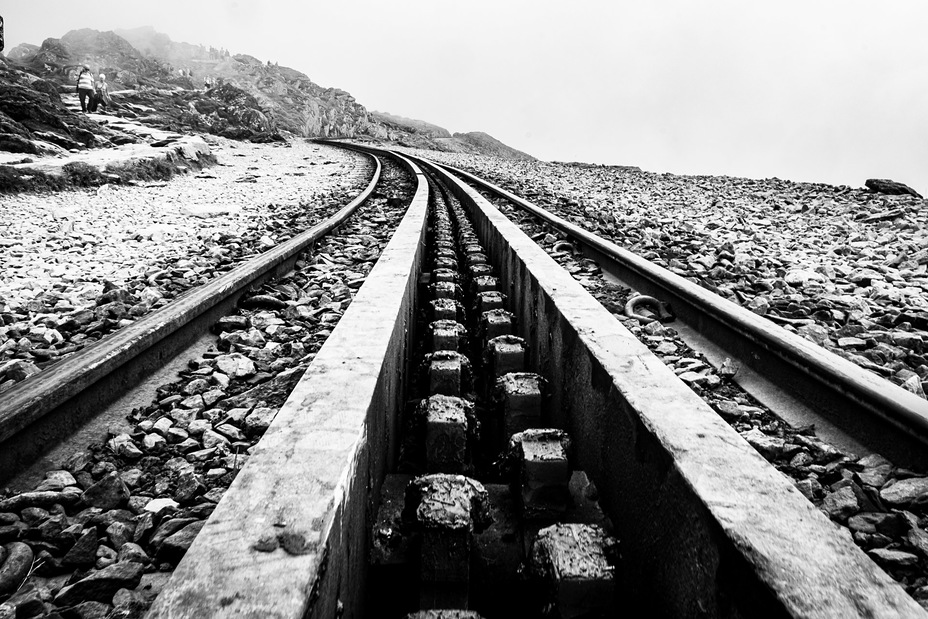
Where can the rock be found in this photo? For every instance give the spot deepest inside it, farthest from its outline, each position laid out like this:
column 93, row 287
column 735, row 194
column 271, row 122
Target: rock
column 809, row 488
column 92, row 610
column 259, row 420
column 231, row 323
column 906, row 492
column 188, row 488
column 167, row 528
column 162, row 425
column 768, row 446
column 38, row 499
column 28, row 602
column 235, row 365
column 876, row 472
column 156, row 505
column 801, row 459
column 17, row 564
column 108, row 493
column 230, row 432
column 19, row 369
column 198, row 427
column 143, row 526
column 102, row 585
column 841, row 505
column 132, row 552
column 123, row 445
column 914, row 385
column 56, row 480
column 153, row 443
column 84, row 551
column 177, row 435
column 175, row 546
column 119, row 533
column 213, row 439
column 893, row 188
column 196, row 386
column 802, row 277
column 728, row 410
column 893, row 558
column 78, row 461
column 876, row 522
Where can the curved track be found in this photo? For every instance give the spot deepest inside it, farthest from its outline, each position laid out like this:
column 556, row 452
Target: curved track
column 336, row 513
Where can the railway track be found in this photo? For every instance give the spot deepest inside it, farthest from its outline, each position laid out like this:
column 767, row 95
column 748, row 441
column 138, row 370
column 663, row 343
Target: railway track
column 478, row 433
column 804, row 383
column 37, row 412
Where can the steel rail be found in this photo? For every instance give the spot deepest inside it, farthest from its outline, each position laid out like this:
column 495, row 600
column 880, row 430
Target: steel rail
column 873, row 411
column 65, row 388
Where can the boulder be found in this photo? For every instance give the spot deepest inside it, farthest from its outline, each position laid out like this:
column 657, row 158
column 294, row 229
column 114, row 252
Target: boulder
column 893, row 188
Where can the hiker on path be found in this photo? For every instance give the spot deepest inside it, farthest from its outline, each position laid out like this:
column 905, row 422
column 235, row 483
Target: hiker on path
column 102, row 95
column 85, row 87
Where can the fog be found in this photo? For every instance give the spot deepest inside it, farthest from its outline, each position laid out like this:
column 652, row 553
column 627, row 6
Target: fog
column 827, row 91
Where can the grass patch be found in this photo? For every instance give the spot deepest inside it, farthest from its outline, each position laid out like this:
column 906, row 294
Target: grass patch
column 13, row 180
column 80, row 174
column 77, row 174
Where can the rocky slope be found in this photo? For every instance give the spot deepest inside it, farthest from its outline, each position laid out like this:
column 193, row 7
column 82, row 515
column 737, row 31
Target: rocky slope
column 179, row 86
column 420, row 134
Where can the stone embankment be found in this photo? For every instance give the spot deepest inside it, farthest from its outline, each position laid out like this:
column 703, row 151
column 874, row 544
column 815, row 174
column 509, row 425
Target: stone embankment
column 80, row 264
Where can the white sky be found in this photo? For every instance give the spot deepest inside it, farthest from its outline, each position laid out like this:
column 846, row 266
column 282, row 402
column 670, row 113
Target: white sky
column 823, row 90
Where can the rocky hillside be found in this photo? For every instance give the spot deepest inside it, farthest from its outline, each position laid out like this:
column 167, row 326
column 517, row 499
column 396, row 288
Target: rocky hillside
column 420, row 134
column 479, row 143
column 401, row 125
column 179, row 86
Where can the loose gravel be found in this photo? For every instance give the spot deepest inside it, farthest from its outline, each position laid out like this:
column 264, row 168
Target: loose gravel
column 101, row 534
column 81, row 264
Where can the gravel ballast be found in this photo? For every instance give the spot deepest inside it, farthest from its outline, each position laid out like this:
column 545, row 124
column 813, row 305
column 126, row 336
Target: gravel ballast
column 101, row 533
column 80, row 264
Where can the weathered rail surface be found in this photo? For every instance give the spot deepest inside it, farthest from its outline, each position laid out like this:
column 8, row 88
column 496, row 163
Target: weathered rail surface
column 707, row 527
column 38, row 412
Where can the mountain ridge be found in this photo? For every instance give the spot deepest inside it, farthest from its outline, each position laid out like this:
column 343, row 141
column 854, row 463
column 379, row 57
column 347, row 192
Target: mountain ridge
column 183, row 86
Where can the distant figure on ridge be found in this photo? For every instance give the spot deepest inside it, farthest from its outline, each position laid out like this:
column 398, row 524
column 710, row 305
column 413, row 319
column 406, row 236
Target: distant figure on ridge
column 85, row 87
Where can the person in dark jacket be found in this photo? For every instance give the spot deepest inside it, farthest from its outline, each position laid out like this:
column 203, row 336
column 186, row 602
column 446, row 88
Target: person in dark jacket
column 85, row 87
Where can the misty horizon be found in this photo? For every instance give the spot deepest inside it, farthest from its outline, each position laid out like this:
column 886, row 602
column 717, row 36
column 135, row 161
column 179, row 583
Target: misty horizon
column 829, row 93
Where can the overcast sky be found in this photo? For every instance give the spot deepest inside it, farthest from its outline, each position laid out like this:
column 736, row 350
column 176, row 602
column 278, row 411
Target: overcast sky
column 823, row 90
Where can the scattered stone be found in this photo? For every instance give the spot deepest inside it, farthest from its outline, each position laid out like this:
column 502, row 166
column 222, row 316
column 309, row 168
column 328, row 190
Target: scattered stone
column 906, row 492
column 177, row 544
column 100, row 586
column 15, row 566
column 841, row 505
column 108, row 493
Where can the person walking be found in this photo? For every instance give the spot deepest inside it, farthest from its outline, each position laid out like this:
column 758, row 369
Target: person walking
column 102, row 95
column 85, row 87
